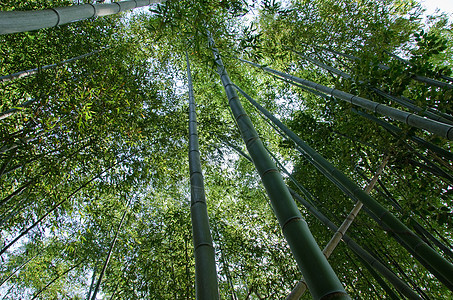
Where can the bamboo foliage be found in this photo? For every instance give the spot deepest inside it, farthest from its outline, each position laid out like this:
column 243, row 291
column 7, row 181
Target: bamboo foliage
column 321, row 279
column 432, row 260
column 21, row 21
column 441, row 129
column 26, row 230
column 206, row 286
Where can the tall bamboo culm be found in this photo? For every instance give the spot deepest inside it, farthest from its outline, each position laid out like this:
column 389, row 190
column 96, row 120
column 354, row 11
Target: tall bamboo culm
column 321, row 279
column 432, row 260
column 206, row 286
column 21, row 21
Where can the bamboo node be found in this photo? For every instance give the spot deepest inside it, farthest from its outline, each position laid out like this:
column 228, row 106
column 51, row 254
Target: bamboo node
column 58, row 16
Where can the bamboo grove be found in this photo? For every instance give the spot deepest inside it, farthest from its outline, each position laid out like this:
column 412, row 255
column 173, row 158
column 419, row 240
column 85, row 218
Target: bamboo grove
column 212, row 149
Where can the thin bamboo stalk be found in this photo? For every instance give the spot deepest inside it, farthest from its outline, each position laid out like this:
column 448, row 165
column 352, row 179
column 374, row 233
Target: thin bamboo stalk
column 93, row 282
column 393, row 129
column 22, row 74
column 11, row 111
column 416, row 246
column 205, row 267
column 427, row 113
column 402, row 102
column 17, row 269
column 21, row 21
column 441, row 129
column 55, row 279
column 107, row 259
column 423, row 78
column 321, row 279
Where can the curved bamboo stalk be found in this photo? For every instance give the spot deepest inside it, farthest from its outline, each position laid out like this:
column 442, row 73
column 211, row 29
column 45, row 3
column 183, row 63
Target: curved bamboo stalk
column 101, row 275
column 416, row 246
column 204, row 252
column 21, row 21
column 432, row 126
column 309, row 257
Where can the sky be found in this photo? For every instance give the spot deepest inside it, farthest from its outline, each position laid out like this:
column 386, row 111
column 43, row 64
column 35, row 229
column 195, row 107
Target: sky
column 443, row 5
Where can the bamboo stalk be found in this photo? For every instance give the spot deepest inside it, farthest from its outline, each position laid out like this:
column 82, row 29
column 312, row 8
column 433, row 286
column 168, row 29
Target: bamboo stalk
column 55, row 279
column 22, row 74
column 402, row 102
column 441, row 129
column 11, row 111
column 205, row 267
column 321, row 279
column 21, row 21
column 397, row 131
column 106, row 262
column 25, row 231
column 17, row 269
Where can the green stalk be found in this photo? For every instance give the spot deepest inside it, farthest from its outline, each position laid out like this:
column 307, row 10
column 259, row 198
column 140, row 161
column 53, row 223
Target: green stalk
column 11, row 111
column 55, row 279
column 22, row 74
column 321, row 279
column 299, row 290
column 435, row 262
column 393, row 129
column 21, row 21
column 402, row 102
column 206, row 286
column 104, row 268
column 441, row 129
column 17, row 269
